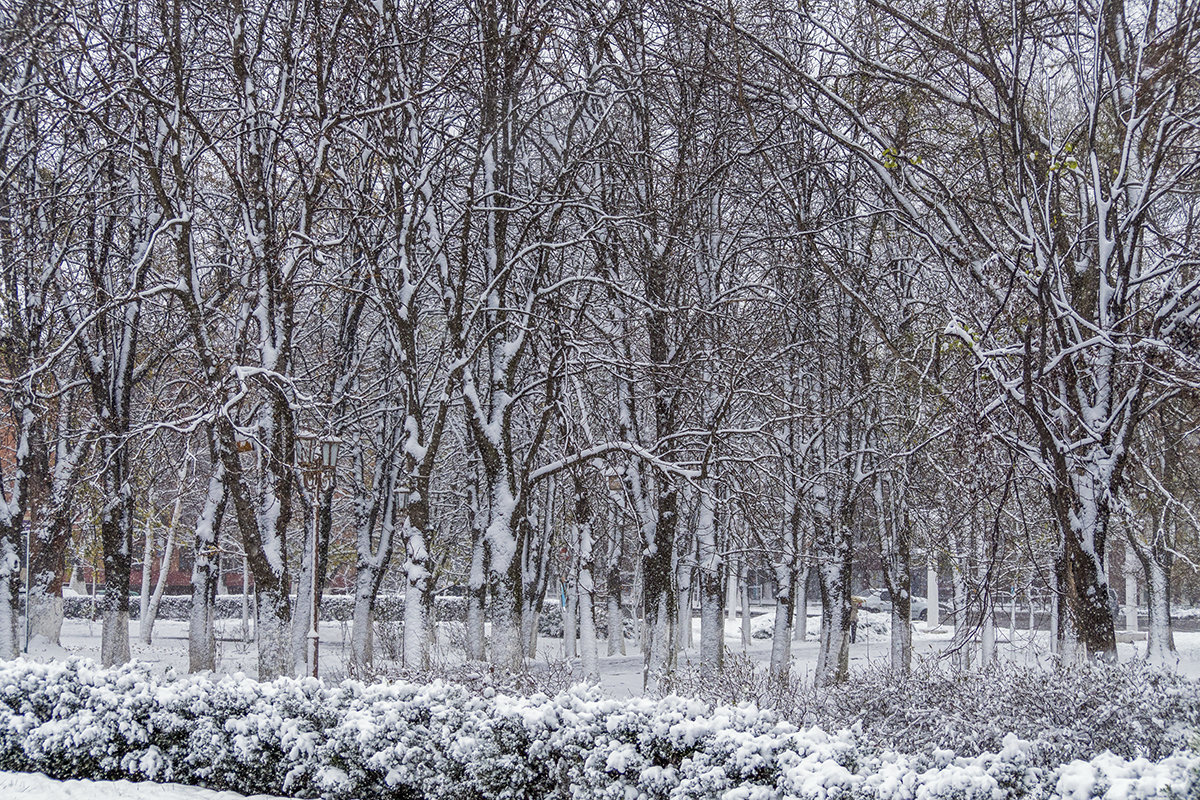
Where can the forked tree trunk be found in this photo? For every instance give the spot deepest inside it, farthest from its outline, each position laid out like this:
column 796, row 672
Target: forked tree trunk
column 833, row 555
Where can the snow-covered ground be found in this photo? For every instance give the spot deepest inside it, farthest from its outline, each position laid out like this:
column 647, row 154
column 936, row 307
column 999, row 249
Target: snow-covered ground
column 32, row 786
column 621, row 676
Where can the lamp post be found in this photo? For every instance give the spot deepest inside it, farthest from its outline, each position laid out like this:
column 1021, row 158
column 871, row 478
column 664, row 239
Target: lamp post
column 316, row 457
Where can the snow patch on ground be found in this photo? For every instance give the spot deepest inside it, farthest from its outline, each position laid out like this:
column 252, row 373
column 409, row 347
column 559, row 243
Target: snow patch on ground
column 32, row 786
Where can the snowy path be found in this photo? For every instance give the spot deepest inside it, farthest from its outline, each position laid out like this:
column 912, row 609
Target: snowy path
column 33, row 786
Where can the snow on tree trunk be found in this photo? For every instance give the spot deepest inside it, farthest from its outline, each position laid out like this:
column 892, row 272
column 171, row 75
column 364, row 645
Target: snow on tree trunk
column 116, row 532
column 744, row 582
column 1082, row 509
column 781, row 638
column 960, row 644
column 416, row 641
column 833, row 655
column 50, row 540
column 900, row 642
column 147, row 564
column 586, row 583
column 1131, row 589
column 987, row 633
column 659, row 602
column 683, row 603
column 895, row 539
column 932, row 601
column 1160, row 638
column 833, row 556
column 418, row 591
column 274, row 634
column 711, row 569
column 373, row 508
column 569, row 611
column 10, row 574
column 476, row 594
column 615, row 634
column 146, row 623
column 302, row 610
column 801, row 626
column 362, row 622
column 202, row 646
column 508, row 641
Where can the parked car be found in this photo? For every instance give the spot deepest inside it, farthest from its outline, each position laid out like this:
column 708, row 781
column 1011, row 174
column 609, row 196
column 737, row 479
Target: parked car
column 879, row 600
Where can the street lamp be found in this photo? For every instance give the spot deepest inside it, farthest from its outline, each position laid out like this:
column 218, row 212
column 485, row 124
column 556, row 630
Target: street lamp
column 316, row 457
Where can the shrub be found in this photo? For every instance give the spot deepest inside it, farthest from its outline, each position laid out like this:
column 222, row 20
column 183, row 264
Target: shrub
column 402, row 740
column 1068, row 712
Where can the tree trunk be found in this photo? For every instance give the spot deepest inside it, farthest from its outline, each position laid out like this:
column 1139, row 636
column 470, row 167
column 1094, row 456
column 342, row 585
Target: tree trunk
column 476, row 593
column 659, row 602
column 711, row 576
column 303, row 608
column 10, row 587
column 833, row 656
column 744, row 582
column 781, row 637
column 274, row 632
column 586, row 582
column 800, row 629
column 362, row 659
column 151, row 614
column 1131, row 592
column 51, row 538
column 116, row 532
column 616, row 620
column 202, row 645
column 1081, row 505
column 418, row 583
column 834, row 557
column 932, row 601
column 1160, row 637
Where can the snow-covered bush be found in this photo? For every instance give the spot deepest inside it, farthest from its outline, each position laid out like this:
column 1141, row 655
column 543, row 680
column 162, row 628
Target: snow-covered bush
column 334, row 608
column 451, row 742
column 542, row 677
column 550, row 622
column 1070, row 712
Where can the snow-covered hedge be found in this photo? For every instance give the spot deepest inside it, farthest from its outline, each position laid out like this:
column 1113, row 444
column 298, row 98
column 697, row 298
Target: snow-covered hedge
column 442, row 741
column 334, row 608
column 1067, row 712
column 550, row 621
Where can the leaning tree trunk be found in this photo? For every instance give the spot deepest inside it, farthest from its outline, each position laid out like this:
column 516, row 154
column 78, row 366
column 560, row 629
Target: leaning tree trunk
column 146, row 623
